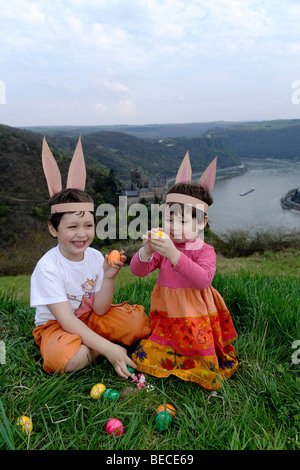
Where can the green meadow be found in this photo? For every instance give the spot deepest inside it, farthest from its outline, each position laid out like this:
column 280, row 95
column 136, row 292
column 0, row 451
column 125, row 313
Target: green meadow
column 257, row 409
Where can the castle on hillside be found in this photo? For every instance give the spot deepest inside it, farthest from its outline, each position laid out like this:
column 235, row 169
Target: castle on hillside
column 145, row 191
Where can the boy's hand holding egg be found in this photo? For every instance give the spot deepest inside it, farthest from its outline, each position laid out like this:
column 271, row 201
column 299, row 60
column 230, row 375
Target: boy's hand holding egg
column 113, row 263
column 113, row 257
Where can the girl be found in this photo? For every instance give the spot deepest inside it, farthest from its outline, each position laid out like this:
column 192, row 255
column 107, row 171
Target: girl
column 191, row 327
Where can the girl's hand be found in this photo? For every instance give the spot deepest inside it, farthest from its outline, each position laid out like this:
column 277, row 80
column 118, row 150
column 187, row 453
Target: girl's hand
column 117, row 356
column 147, row 251
column 165, row 247
column 110, row 272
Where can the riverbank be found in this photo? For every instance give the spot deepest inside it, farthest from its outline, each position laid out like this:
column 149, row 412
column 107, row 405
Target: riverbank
column 222, row 173
column 260, row 209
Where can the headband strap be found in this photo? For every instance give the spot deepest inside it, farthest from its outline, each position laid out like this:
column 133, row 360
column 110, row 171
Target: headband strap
column 73, row 207
column 185, row 199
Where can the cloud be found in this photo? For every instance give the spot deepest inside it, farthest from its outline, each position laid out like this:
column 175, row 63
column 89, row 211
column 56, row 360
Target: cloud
column 126, row 108
column 136, row 58
column 24, row 11
column 116, row 87
column 100, row 108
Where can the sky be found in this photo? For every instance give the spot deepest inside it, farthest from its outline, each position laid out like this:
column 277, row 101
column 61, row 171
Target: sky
column 109, row 62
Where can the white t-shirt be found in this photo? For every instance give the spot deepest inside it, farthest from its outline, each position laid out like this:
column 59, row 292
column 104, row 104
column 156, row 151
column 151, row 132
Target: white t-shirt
column 56, row 279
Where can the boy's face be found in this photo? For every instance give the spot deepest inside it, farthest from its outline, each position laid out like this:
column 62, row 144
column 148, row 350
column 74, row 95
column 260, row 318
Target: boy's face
column 74, row 234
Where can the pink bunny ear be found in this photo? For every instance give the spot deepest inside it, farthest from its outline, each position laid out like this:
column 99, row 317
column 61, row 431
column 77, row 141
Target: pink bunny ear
column 51, row 170
column 184, row 173
column 77, row 172
column 208, row 178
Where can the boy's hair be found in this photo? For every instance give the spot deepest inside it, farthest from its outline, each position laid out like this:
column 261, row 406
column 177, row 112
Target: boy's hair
column 194, row 190
column 65, row 196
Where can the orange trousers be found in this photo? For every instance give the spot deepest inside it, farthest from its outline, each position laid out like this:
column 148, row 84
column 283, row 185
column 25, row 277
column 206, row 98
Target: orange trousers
column 122, row 323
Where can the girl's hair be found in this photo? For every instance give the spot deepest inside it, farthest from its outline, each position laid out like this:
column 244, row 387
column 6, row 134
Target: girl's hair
column 194, row 190
column 64, row 196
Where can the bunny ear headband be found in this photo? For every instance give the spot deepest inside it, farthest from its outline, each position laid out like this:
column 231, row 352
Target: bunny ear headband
column 184, row 175
column 76, row 178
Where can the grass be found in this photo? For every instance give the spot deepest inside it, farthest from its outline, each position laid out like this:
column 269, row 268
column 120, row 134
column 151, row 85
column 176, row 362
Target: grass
column 283, row 263
column 257, row 409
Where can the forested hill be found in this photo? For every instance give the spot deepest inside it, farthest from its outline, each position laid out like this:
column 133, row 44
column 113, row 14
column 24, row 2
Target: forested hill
column 256, row 139
column 270, row 139
column 23, row 188
column 146, row 131
column 109, row 158
column 156, row 158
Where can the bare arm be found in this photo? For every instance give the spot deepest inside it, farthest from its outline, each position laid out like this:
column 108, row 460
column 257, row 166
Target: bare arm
column 103, row 299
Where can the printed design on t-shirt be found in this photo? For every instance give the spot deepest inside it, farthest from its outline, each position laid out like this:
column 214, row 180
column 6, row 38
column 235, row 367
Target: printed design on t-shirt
column 87, row 299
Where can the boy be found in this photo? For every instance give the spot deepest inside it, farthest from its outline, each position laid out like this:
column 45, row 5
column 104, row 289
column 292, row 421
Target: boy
column 72, row 289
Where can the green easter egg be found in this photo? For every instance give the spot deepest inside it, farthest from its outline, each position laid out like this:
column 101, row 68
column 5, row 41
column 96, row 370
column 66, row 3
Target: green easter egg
column 111, row 394
column 130, row 369
column 163, row 420
column 106, row 392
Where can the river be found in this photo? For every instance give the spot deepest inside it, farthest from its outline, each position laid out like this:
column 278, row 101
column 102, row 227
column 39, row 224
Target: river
column 260, row 209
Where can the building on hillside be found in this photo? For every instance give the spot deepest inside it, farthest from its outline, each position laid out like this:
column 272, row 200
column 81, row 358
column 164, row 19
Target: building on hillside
column 132, row 197
column 142, row 190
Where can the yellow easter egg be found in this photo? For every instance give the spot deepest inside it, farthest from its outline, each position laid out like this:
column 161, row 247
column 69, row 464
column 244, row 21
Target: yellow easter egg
column 25, row 424
column 160, row 234
column 97, row 391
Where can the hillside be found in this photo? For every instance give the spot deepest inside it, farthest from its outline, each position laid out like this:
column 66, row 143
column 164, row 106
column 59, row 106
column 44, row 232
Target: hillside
column 124, row 152
column 148, row 131
column 257, row 139
column 109, row 157
column 270, row 139
column 23, row 188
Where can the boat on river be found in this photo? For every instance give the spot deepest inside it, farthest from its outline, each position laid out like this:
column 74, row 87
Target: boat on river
column 247, row 192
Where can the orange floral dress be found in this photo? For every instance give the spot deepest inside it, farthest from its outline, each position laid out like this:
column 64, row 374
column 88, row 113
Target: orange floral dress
column 192, row 329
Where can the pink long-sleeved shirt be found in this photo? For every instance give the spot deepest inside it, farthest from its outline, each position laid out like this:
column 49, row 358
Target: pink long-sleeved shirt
column 194, row 269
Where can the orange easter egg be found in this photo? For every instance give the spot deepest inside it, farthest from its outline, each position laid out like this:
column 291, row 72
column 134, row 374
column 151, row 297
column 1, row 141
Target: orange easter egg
column 167, row 407
column 113, row 257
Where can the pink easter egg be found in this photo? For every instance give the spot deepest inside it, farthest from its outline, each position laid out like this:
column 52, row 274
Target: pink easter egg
column 114, row 426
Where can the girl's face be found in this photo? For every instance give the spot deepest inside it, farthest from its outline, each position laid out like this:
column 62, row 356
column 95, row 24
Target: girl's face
column 182, row 227
column 74, row 234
